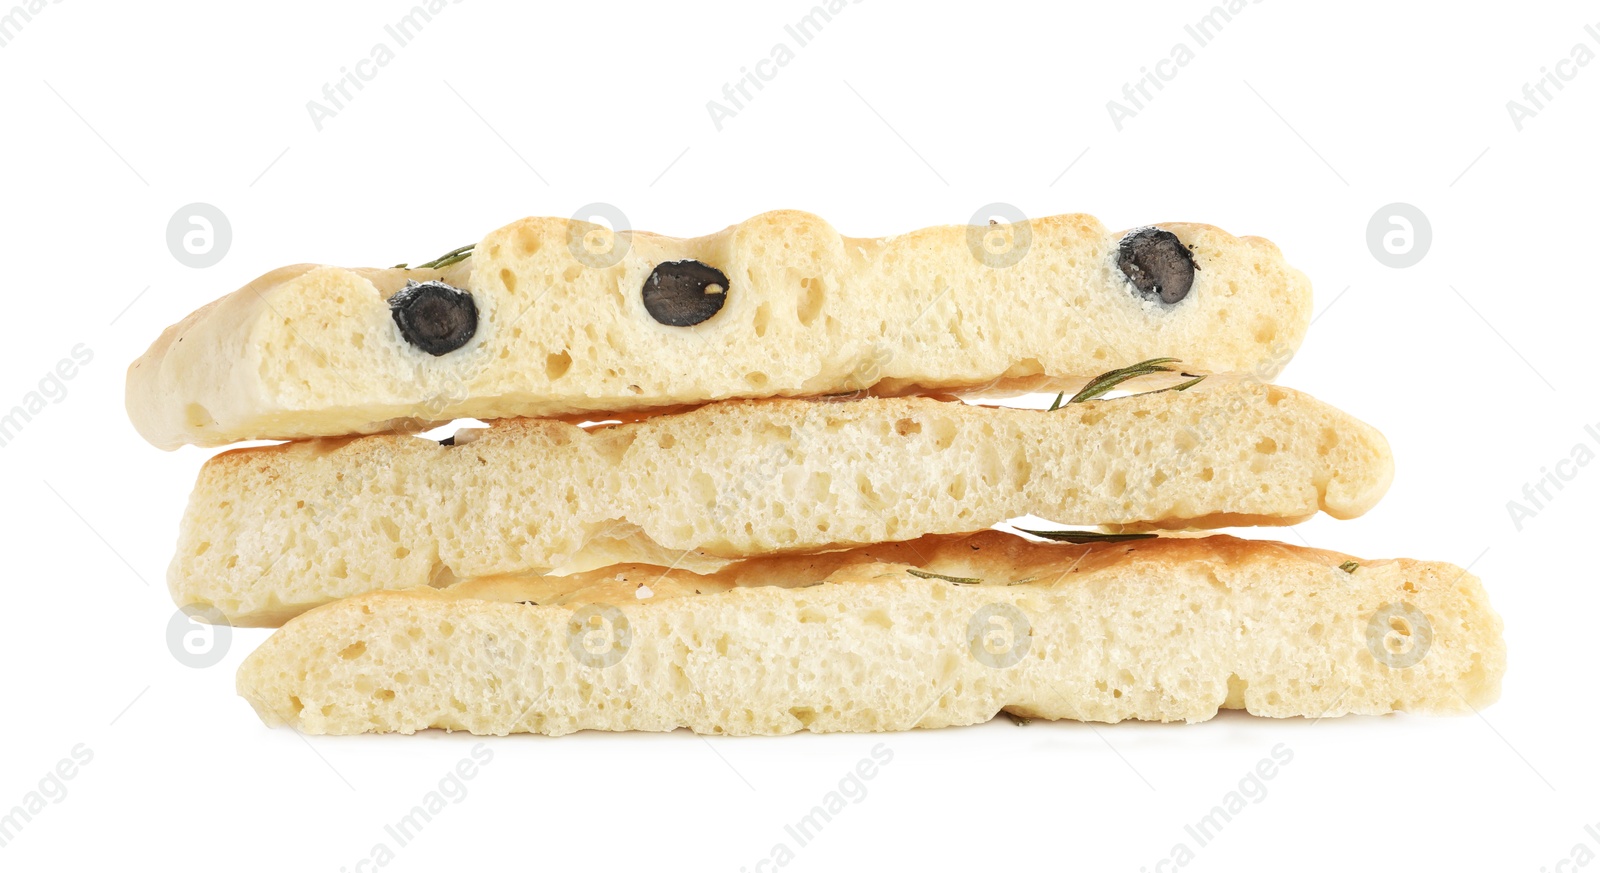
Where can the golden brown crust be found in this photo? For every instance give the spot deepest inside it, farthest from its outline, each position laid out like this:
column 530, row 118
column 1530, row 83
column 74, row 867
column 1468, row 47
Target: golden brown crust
column 311, row 351
column 1166, row 629
column 273, row 531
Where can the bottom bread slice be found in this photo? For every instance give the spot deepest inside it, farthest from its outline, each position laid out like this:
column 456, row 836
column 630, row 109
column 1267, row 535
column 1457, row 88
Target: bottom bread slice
column 926, row 633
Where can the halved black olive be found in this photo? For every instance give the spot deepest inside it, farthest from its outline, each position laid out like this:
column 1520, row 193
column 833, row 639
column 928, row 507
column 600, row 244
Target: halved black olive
column 1157, row 263
column 434, row 317
column 682, row 293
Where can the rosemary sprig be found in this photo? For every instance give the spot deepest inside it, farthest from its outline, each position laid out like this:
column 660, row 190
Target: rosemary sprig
column 454, row 256
column 1084, row 537
column 959, row 580
column 1018, row 720
column 1105, row 382
column 1349, row 566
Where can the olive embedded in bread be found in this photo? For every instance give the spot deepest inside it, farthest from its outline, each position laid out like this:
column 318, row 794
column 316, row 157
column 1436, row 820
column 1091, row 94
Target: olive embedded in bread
column 1158, row 264
column 684, row 293
column 434, row 317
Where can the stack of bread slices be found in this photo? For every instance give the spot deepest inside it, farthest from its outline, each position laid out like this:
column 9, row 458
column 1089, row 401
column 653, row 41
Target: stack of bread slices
column 760, row 482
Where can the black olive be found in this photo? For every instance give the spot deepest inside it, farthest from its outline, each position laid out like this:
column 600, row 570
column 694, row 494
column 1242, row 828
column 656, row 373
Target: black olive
column 681, row 293
column 434, row 317
column 1157, row 263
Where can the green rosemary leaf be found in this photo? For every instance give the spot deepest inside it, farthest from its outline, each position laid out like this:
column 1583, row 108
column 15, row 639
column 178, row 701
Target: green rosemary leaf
column 1106, row 381
column 1084, row 537
column 454, row 256
column 1023, row 581
column 399, row 267
column 1349, row 566
column 1056, row 404
column 959, row 580
column 1018, row 720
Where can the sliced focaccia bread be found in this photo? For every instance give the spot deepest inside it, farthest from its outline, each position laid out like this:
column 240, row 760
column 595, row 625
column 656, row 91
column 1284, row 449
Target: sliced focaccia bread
column 928, row 633
column 551, row 317
column 272, row 531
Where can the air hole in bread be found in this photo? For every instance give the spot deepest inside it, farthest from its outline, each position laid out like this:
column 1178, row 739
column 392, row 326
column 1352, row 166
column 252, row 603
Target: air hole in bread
column 1330, row 438
column 354, row 650
column 1236, row 689
column 811, row 300
column 441, row 576
column 509, row 279
column 556, row 365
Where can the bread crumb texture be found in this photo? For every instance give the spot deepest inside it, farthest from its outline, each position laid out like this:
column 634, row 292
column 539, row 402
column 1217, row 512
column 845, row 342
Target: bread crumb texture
column 562, row 328
column 270, row 532
column 1171, row 629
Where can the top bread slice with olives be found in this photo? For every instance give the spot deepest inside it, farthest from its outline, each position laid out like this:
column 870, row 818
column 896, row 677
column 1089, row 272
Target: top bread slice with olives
column 551, row 317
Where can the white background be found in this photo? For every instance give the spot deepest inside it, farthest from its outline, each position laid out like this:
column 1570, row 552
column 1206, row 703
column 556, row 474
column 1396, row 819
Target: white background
column 1298, row 122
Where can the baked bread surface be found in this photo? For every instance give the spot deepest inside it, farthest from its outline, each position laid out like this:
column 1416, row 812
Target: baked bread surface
column 562, row 328
column 1169, row 629
column 272, row 531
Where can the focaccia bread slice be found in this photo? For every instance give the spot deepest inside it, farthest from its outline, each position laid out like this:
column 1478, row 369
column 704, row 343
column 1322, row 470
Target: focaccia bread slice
column 270, row 532
column 551, row 317
column 934, row 632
